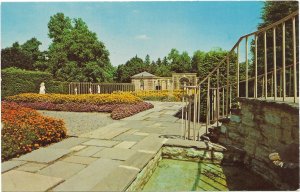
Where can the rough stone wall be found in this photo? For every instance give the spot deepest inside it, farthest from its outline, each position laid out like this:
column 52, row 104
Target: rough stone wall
column 260, row 128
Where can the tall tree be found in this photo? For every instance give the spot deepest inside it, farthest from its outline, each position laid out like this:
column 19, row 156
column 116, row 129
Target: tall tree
column 147, row 60
column 180, row 63
column 197, row 61
column 76, row 54
column 58, row 26
column 133, row 66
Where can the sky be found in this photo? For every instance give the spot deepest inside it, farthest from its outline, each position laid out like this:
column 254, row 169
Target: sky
column 138, row 28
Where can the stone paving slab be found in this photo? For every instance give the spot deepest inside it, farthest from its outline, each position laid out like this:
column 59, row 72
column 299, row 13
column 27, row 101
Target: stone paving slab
column 87, row 178
column 79, row 159
column 125, row 144
column 101, row 143
column 137, row 124
column 24, row 181
column 95, row 133
column 78, row 148
column 62, row 169
column 8, row 165
column 160, row 119
column 153, row 130
column 113, row 133
column 31, row 167
column 129, row 138
column 104, row 132
column 138, row 160
column 89, row 151
column 141, row 133
column 115, row 153
column 68, row 143
column 118, row 180
column 44, row 155
column 150, row 143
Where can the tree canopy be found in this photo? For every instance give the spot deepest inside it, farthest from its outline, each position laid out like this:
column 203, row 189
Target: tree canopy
column 22, row 56
column 201, row 63
column 76, row 54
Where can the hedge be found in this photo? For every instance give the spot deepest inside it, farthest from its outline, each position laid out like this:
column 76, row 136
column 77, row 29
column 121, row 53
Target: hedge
column 15, row 81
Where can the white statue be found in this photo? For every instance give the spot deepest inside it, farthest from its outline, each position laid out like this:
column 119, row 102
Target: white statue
column 98, row 89
column 90, row 90
column 42, row 88
column 75, row 90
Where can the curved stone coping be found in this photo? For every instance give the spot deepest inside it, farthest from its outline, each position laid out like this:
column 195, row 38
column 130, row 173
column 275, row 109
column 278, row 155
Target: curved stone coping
column 193, row 144
column 287, row 105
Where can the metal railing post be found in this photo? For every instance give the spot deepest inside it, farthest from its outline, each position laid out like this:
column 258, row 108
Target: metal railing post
column 255, row 66
column 294, row 60
column 274, row 63
column 199, row 112
column 195, row 113
column 237, row 73
column 272, row 83
column 227, row 86
column 283, row 62
column 208, row 105
column 263, row 87
column 265, row 63
column 230, row 90
column 223, row 102
column 189, row 114
column 246, row 94
column 182, row 115
column 290, row 82
column 213, row 104
column 218, row 100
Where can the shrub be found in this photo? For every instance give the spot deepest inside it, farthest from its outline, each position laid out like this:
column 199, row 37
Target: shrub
column 115, row 98
column 57, row 87
column 25, row 129
column 15, row 81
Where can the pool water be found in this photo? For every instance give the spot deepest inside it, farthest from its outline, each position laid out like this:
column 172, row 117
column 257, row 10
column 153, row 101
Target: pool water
column 175, row 175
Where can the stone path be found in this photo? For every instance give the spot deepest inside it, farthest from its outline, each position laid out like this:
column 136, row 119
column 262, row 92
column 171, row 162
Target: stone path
column 106, row 158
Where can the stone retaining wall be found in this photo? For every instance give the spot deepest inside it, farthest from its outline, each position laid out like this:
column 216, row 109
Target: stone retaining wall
column 260, row 128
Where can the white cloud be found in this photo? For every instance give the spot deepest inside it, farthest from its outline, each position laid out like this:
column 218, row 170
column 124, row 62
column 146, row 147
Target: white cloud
column 142, row 37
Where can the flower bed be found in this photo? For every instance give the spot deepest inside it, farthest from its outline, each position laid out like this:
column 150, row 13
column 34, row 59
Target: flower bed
column 121, row 112
column 125, row 104
column 24, row 129
column 114, row 98
column 164, row 95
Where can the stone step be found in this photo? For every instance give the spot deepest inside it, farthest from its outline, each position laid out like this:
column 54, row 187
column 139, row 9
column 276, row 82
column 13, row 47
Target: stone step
column 118, row 180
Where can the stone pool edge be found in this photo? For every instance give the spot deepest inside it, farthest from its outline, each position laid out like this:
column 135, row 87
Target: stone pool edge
column 177, row 149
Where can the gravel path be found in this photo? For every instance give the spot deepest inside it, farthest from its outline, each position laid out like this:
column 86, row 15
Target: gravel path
column 78, row 123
